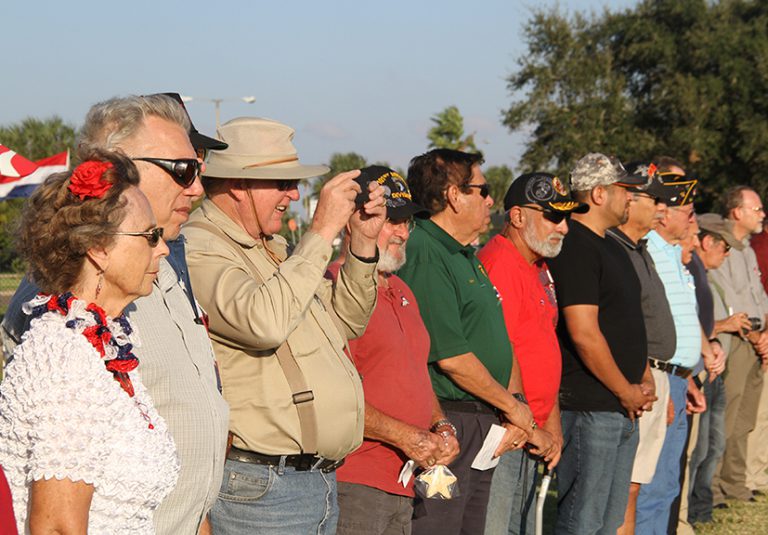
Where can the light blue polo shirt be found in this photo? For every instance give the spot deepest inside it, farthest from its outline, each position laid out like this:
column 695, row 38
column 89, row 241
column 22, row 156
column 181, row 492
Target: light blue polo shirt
column 681, row 294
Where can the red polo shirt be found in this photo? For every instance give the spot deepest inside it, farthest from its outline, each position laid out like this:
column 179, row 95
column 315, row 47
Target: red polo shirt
column 530, row 312
column 392, row 358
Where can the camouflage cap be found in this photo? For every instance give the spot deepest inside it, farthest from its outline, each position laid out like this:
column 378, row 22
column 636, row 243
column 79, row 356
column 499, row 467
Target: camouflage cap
column 597, row 169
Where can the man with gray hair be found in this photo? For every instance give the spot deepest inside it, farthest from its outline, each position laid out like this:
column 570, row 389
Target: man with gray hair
column 739, row 278
column 603, row 346
column 538, row 206
column 280, row 329
column 177, row 361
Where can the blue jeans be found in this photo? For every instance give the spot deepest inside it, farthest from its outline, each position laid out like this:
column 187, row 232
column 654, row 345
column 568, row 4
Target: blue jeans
column 274, row 500
column 655, row 499
column 512, row 504
column 594, row 472
column 709, row 449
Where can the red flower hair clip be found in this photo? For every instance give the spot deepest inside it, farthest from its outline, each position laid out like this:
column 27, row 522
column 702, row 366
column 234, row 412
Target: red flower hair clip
column 87, row 180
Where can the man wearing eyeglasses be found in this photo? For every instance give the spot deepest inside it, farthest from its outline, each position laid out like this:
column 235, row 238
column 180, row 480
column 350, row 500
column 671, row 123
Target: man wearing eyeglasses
column 177, row 361
column 403, row 420
column 280, row 329
column 646, row 209
column 604, row 353
column 470, row 357
column 656, row 498
column 743, row 464
column 537, row 207
column 714, row 245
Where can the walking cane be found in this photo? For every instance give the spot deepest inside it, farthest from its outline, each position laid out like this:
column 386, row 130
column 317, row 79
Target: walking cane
column 541, row 499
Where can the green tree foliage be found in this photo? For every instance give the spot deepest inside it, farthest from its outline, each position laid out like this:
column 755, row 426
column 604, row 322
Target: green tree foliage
column 38, row 138
column 499, row 177
column 34, row 139
column 339, row 163
column 685, row 78
column 10, row 211
column 448, row 131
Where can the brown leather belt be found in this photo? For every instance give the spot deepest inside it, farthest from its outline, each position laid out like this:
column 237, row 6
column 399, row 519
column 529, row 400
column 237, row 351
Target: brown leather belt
column 672, row 369
column 302, row 462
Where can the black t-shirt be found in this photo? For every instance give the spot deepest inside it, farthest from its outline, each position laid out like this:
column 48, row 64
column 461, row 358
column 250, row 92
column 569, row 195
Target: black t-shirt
column 591, row 270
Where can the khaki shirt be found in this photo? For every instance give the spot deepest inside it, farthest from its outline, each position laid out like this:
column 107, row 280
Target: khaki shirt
column 739, row 277
column 249, row 319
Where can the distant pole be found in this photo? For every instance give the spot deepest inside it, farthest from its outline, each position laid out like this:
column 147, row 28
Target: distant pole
column 217, row 103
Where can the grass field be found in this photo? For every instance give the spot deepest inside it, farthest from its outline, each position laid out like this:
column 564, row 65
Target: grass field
column 741, row 518
column 8, row 284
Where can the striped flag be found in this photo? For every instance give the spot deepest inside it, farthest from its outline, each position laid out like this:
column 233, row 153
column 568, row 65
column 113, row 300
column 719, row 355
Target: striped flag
column 19, row 177
column 14, row 166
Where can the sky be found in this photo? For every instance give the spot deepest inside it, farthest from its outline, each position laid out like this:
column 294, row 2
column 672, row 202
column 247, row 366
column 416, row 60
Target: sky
column 347, row 75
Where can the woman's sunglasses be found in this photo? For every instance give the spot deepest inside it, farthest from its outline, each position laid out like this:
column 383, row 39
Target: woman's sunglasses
column 153, row 235
column 184, row 171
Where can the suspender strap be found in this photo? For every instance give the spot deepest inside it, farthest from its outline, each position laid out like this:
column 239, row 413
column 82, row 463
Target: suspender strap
column 303, row 397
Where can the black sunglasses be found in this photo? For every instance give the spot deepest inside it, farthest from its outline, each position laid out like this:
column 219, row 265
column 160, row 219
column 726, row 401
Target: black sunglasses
column 184, row 171
column 285, row 185
column 153, row 236
column 484, row 189
column 552, row 217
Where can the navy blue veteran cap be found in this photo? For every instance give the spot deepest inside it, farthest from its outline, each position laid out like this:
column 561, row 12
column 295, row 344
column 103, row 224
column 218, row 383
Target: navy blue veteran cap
column 545, row 190
column 646, row 176
column 400, row 204
column 677, row 189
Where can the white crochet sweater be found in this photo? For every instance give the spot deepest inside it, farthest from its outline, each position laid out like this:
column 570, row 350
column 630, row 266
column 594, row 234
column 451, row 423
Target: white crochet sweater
column 63, row 415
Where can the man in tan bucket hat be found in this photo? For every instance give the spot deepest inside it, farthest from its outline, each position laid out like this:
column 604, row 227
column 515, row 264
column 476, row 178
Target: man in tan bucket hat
column 279, row 328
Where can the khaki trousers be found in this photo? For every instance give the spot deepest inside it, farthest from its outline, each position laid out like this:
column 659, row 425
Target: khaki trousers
column 743, row 390
column 757, row 446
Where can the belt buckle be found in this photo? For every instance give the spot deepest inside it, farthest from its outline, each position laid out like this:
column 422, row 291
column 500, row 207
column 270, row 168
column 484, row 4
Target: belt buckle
column 304, row 462
column 333, row 466
column 317, row 464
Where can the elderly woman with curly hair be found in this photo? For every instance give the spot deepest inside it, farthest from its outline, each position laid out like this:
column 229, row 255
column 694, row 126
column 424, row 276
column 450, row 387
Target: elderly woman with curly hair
column 82, row 446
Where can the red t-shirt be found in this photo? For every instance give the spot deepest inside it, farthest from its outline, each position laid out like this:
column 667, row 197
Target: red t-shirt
column 7, row 520
column 759, row 243
column 392, row 359
column 530, row 312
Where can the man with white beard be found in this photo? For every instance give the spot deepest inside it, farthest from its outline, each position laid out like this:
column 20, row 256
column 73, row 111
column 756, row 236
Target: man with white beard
column 537, row 207
column 403, row 419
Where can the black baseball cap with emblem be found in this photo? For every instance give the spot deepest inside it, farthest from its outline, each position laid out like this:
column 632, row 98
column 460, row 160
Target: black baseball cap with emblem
column 646, row 176
column 199, row 141
column 671, row 189
column 679, row 190
column 545, row 190
column 400, row 204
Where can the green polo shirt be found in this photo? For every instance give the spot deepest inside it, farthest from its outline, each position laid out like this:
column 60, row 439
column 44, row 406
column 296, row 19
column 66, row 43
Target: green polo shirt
column 460, row 307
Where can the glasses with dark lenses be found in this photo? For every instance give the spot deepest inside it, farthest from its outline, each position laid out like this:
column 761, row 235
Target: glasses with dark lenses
column 153, row 235
column 285, row 185
column 184, row 171
column 483, row 189
column 552, row 217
